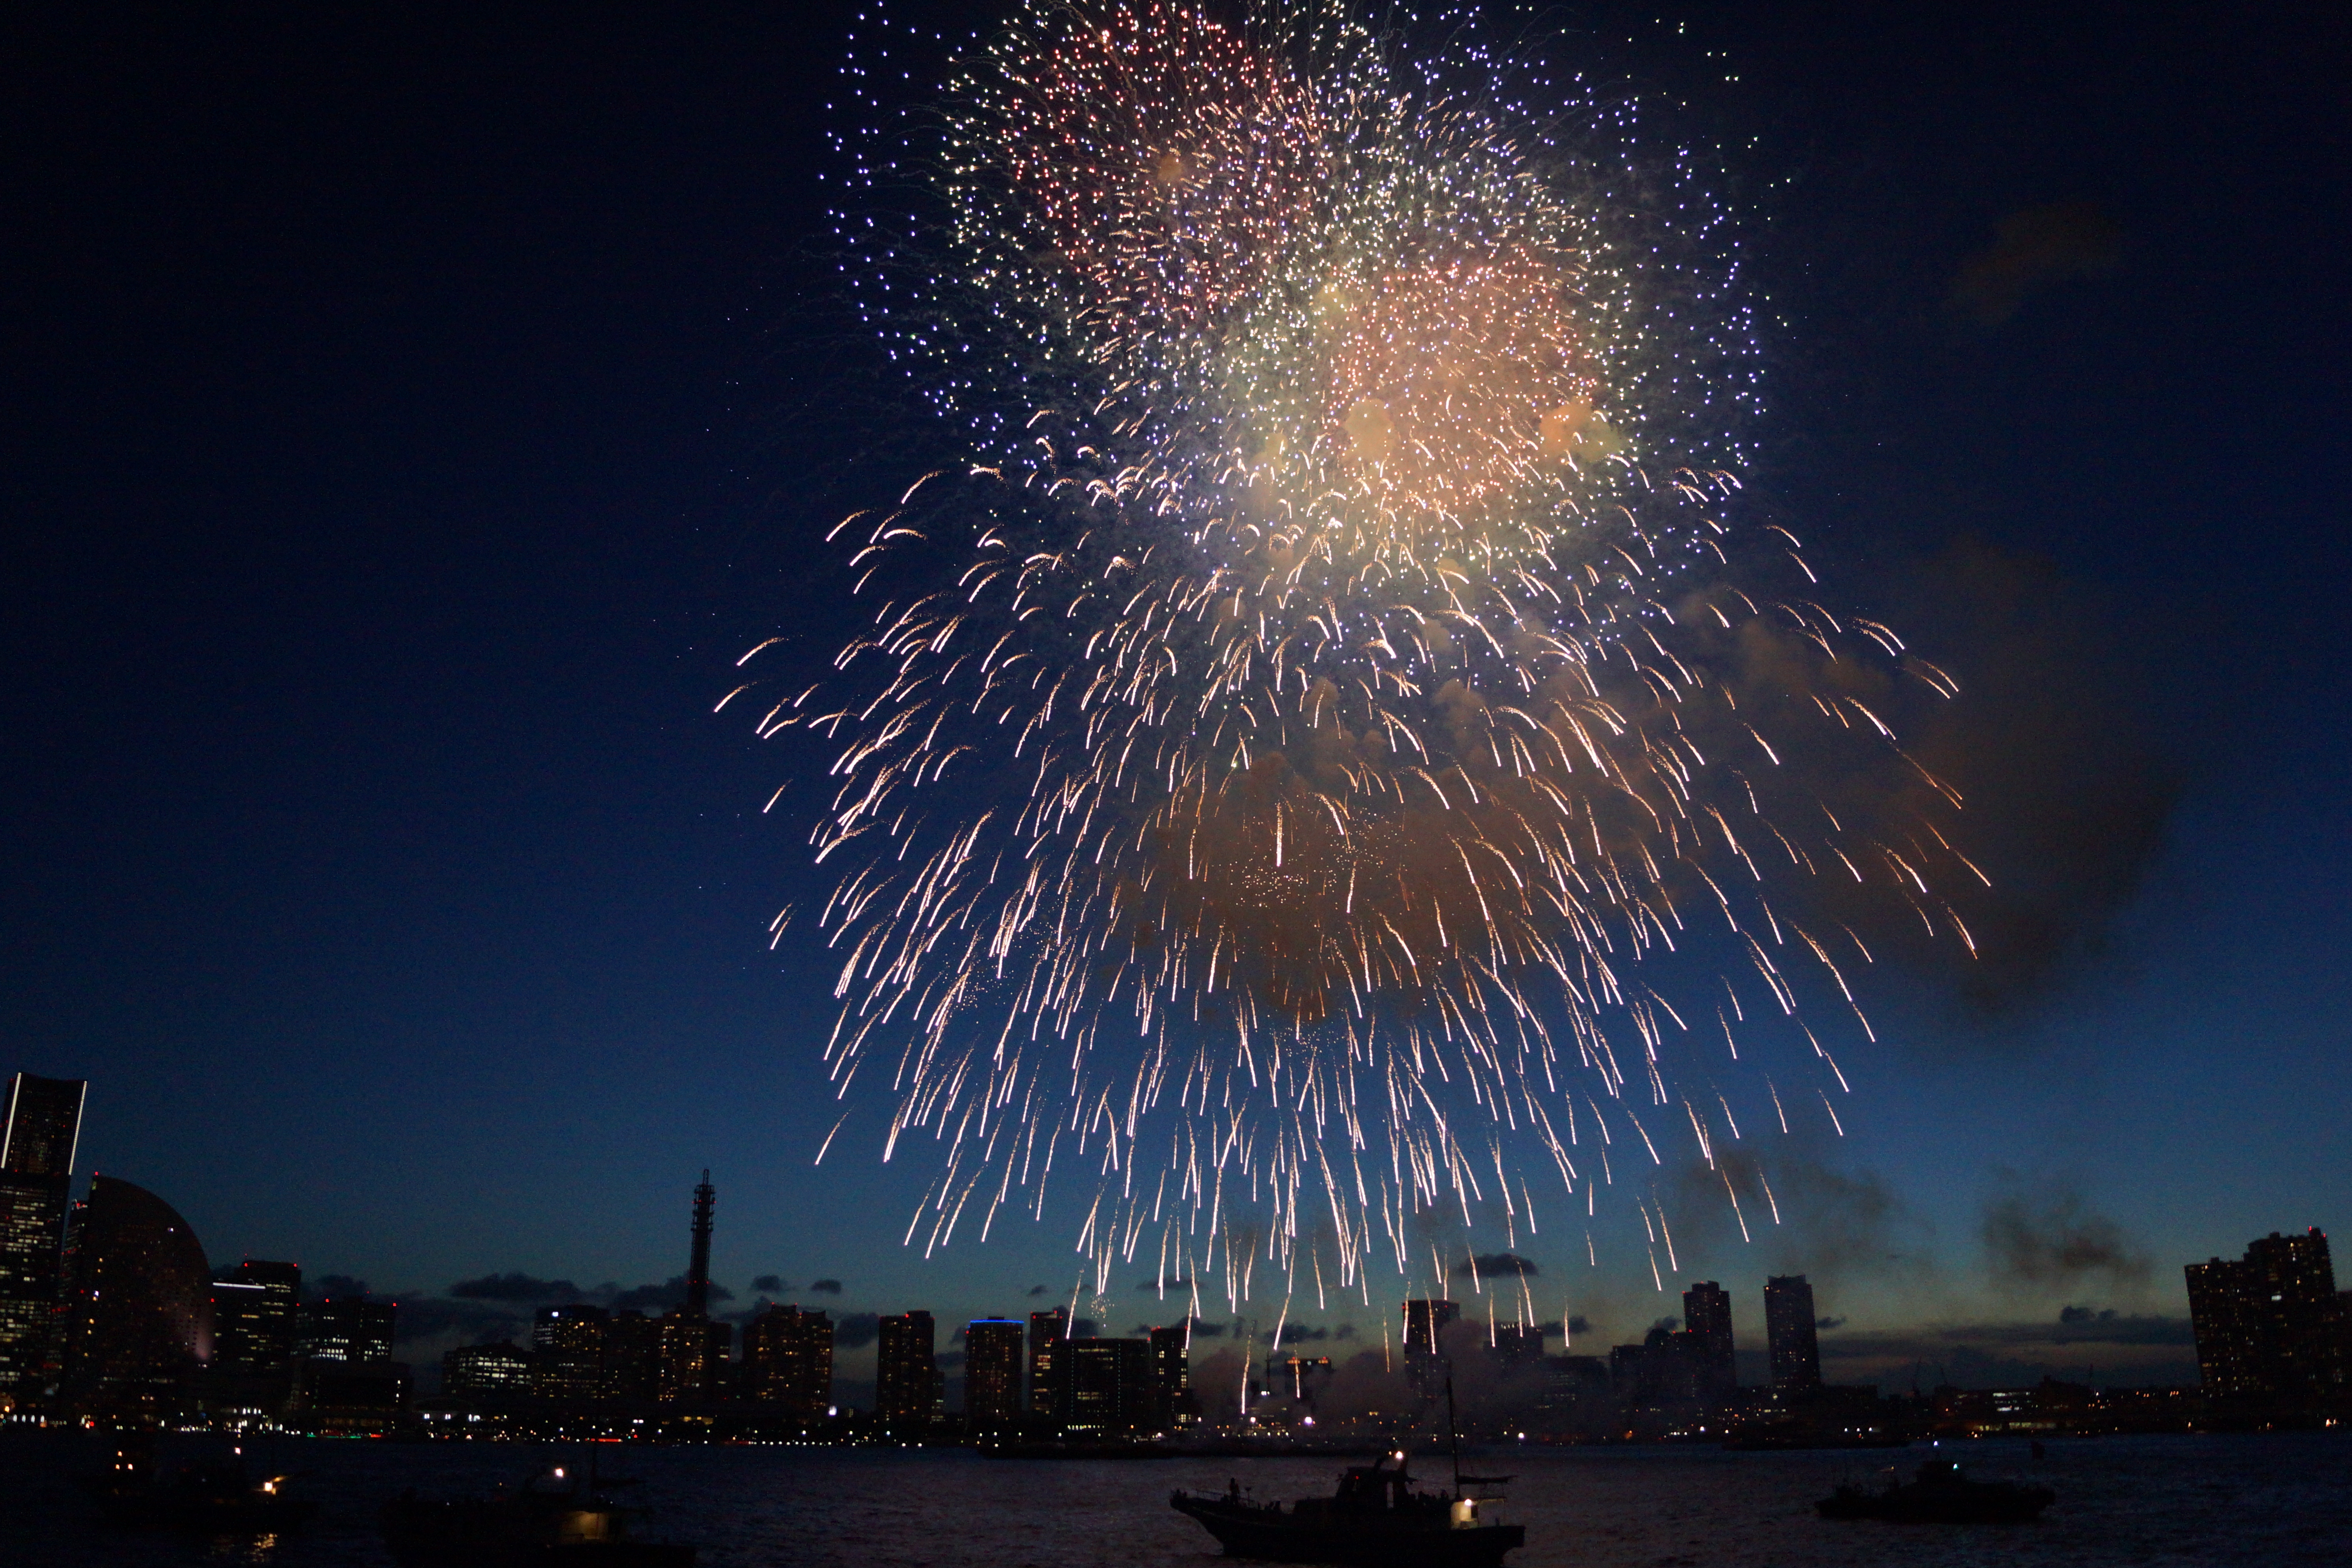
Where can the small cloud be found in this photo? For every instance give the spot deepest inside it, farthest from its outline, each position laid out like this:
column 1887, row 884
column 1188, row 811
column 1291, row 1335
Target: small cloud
column 663, row 1297
column 1829, row 1322
column 1344, row 1331
column 769, row 1282
column 824, row 1288
column 857, row 1328
column 1578, row 1323
column 1152, row 1285
column 1204, row 1330
column 2033, row 249
column 514, row 1287
column 1036, row 1290
column 1301, row 1333
column 1493, row 1264
column 334, row 1286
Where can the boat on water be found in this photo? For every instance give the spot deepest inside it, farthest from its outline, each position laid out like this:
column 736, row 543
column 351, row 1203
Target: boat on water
column 1377, row 1518
column 554, row 1520
column 215, row 1496
column 1939, row 1494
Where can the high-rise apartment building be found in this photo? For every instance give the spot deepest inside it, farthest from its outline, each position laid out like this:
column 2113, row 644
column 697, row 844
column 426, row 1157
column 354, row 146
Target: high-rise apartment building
column 138, row 1305
column 2270, row 1325
column 1707, row 1319
column 1171, row 1375
column 567, row 1355
column 349, row 1328
column 257, row 1311
column 907, row 1394
column 1791, row 1335
column 1425, row 1323
column 1048, row 1332
column 631, row 1357
column 37, row 1143
column 1519, row 1345
column 994, row 1356
column 1108, row 1386
column 694, row 1357
column 787, row 1361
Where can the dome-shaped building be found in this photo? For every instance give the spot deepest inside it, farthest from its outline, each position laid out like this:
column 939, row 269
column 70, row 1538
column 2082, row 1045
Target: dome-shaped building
column 138, row 1305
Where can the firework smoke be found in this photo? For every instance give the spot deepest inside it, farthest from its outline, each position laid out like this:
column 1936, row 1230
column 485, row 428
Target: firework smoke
column 1296, row 756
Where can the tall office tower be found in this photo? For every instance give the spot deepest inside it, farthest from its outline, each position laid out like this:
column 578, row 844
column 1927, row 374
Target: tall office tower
column 787, row 1361
column 698, row 1262
column 993, row 1356
column 1048, row 1332
column 907, row 1373
column 2268, row 1325
column 632, row 1357
column 348, row 1328
column 694, row 1352
column 256, row 1308
column 1109, row 1386
column 138, row 1305
column 1425, row 1323
column 1171, row 1373
column 36, row 1156
column 485, row 1374
column 1790, row 1333
column 1706, row 1318
column 567, row 1355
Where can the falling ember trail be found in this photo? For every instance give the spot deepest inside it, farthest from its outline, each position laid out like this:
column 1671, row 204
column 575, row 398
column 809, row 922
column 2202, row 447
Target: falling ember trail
column 1339, row 674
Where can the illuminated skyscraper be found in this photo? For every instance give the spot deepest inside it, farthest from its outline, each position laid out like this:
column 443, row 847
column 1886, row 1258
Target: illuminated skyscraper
column 1048, row 1332
column 352, row 1330
column 1790, row 1333
column 994, row 1356
column 631, row 1357
column 1108, row 1386
column 906, row 1395
column 567, row 1353
column 787, row 1361
column 36, row 1155
column 2269, row 1325
column 485, row 1374
column 1171, row 1373
column 137, row 1300
column 694, row 1349
column 256, row 1310
column 1706, row 1318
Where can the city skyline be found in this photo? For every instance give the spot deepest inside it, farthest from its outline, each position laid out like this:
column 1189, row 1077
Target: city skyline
column 381, row 865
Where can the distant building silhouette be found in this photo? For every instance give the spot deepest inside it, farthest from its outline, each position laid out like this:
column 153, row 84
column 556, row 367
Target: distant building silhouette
column 138, row 1304
column 352, row 1330
column 485, row 1374
column 1663, row 1371
column 1791, row 1333
column 1048, row 1332
column 787, row 1361
column 993, row 1356
column 567, row 1355
column 906, row 1394
column 257, row 1313
column 1518, row 1345
column 1171, row 1375
column 1707, row 1319
column 698, row 1263
column 1425, row 1322
column 1109, row 1386
column 2269, row 1326
column 37, row 1154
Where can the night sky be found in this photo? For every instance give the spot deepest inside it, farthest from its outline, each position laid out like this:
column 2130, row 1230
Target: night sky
column 413, row 412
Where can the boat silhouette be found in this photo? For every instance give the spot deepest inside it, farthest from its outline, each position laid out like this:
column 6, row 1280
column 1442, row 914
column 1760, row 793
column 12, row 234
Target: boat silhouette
column 1939, row 1494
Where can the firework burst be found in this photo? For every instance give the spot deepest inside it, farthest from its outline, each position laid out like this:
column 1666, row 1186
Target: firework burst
column 1340, row 682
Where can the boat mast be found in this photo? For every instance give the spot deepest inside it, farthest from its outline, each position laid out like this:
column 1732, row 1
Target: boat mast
column 1453, row 1429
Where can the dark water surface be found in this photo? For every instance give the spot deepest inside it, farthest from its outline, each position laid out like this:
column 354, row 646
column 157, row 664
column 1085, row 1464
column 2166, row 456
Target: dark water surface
column 2239, row 1500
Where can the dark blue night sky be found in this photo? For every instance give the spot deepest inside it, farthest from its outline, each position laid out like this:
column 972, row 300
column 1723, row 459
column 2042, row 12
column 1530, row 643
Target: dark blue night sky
column 410, row 419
